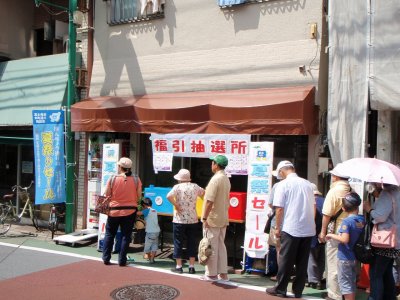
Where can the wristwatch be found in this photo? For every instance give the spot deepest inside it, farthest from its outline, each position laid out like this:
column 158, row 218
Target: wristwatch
column 204, row 219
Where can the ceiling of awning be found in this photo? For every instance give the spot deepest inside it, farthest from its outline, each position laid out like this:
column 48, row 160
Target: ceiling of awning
column 288, row 111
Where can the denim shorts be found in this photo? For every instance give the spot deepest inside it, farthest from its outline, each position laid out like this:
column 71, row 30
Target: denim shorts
column 347, row 276
column 151, row 242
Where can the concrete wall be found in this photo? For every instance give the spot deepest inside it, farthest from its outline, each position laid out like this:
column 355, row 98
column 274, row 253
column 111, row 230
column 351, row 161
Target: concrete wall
column 16, row 24
column 199, row 46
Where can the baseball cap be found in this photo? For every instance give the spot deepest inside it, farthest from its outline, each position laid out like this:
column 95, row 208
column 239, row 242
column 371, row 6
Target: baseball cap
column 352, row 198
column 183, row 175
column 221, row 160
column 282, row 164
column 336, row 171
column 125, row 163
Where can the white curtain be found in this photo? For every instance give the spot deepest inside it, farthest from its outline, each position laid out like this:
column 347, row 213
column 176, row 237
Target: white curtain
column 348, row 84
column 385, row 55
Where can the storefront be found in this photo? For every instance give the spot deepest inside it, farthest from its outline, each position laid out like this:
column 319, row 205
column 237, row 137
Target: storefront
column 284, row 116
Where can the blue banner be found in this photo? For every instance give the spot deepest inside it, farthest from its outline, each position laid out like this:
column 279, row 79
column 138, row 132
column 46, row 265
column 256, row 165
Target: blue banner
column 48, row 137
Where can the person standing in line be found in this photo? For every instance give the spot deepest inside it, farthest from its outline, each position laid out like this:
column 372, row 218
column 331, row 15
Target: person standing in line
column 333, row 208
column 152, row 229
column 385, row 212
column 316, row 261
column 295, row 207
column 347, row 236
column 215, row 219
column 184, row 197
column 125, row 190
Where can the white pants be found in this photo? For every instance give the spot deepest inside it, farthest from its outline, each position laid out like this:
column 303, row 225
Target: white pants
column 332, row 283
column 218, row 261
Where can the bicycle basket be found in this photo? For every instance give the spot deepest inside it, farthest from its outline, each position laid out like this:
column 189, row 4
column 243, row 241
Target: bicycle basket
column 23, row 196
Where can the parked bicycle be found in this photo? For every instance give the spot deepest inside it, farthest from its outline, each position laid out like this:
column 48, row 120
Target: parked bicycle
column 8, row 213
column 57, row 216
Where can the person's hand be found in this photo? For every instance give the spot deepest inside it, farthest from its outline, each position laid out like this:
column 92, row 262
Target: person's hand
column 277, row 233
column 321, row 238
column 367, row 206
column 205, row 224
column 178, row 208
column 328, row 236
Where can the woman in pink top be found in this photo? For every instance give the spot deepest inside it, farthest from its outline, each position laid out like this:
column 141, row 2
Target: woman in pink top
column 125, row 190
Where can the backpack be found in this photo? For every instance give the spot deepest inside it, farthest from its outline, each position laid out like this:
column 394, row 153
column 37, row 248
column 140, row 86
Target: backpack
column 362, row 248
column 205, row 250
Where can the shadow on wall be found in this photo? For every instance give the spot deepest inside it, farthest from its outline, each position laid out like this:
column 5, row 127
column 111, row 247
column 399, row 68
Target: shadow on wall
column 121, row 52
column 247, row 16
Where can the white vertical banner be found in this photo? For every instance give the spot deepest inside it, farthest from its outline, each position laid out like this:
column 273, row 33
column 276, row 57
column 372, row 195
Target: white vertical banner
column 258, row 190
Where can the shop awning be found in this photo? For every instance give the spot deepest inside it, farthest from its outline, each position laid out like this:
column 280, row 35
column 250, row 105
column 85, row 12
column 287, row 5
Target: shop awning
column 31, row 83
column 289, row 111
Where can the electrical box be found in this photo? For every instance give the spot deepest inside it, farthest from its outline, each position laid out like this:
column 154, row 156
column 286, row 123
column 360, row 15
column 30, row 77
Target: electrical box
column 313, row 31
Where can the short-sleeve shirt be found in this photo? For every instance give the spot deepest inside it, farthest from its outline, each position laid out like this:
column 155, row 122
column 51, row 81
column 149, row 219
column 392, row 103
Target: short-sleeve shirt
column 185, row 195
column 333, row 201
column 151, row 218
column 353, row 225
column 217, row 191
column 295, row 195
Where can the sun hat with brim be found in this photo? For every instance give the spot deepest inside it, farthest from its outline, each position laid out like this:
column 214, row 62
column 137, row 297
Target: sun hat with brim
column 183, row 175
column 221, row 160
column 282, row 164
column 315, row 189
column 336, row 172
column 125, row 163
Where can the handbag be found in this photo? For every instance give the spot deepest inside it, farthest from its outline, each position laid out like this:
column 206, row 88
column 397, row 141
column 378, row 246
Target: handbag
column 103, row 202
column 267, row 227
column 205, row 250
column 385, row 238
column 332, row 222
column 362, row 248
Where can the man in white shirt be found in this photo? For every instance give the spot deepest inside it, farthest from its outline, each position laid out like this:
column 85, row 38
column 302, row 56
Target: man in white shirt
column 295, row 226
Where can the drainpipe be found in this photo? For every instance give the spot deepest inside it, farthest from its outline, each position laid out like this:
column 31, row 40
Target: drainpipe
column 69, row 139
column 70, row 151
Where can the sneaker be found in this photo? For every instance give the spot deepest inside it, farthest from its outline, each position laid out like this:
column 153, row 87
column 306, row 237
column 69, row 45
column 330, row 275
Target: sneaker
column 209, row 278
column 177, row 270
column 192, row 270
column 107, row 262
column 151, row 260
column 274, row 292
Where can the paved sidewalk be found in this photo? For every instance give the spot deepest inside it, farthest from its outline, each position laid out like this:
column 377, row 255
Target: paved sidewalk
column 26, row 237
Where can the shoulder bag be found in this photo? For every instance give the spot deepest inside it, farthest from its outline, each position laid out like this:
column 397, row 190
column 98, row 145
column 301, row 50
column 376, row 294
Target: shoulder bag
column 103, row 202
column 267, row 227
column 385, row 238
column 362, row 248
column 332, row 222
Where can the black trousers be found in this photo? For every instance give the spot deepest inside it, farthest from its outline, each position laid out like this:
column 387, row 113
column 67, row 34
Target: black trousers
column 294, row 252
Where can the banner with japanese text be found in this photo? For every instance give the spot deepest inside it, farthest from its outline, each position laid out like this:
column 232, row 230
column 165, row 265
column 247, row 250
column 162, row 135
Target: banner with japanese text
column 234, row 146
column 48, row 138
column 258, row 191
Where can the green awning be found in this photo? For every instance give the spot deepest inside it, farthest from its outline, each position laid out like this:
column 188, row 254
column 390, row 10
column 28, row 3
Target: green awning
column 29, row 84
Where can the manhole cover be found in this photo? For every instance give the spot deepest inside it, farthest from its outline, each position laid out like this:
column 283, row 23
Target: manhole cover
column 145, row 292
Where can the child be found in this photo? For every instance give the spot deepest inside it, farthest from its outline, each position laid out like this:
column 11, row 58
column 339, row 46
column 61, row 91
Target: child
column 152, row 229
column 349, row 232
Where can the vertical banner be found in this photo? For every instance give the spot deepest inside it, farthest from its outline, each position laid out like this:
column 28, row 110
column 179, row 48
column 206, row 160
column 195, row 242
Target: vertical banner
column 258, row 190
column 48, row 137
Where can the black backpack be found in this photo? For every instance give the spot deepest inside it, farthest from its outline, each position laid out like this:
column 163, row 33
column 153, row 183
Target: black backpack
column 362, row 248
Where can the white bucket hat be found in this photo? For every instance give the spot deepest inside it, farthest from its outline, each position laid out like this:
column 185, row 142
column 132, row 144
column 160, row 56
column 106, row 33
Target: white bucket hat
column 315, row 189
column 183, row 175
column 336, row 171
column 125, row 163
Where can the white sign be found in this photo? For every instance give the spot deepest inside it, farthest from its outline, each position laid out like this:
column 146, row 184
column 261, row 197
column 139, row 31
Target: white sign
column 162, row 162
column 258, row 190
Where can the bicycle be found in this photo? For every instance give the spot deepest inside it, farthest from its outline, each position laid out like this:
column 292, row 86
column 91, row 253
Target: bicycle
column 8, row 213
column 57, row 215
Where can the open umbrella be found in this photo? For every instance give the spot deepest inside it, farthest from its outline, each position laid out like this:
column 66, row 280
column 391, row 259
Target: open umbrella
column 370, row 170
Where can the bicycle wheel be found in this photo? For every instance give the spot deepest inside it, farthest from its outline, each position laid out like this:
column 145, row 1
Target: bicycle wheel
column 5, row 222
column 33, row 215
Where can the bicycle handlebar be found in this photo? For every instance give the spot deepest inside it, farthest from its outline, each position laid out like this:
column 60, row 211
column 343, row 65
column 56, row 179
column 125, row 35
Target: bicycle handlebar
column 15, row 187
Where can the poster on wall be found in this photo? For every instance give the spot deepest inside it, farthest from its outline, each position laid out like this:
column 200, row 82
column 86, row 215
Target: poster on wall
column 162, row 162
column 260, row 164
column 234, row 146
column 48, row 139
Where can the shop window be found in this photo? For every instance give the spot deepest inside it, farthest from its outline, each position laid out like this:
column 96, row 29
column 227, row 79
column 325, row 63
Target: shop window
column 130, row 11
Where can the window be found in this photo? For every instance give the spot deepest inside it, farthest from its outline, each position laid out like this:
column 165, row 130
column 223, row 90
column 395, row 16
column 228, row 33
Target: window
column 229, row 3
column 129, row 11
